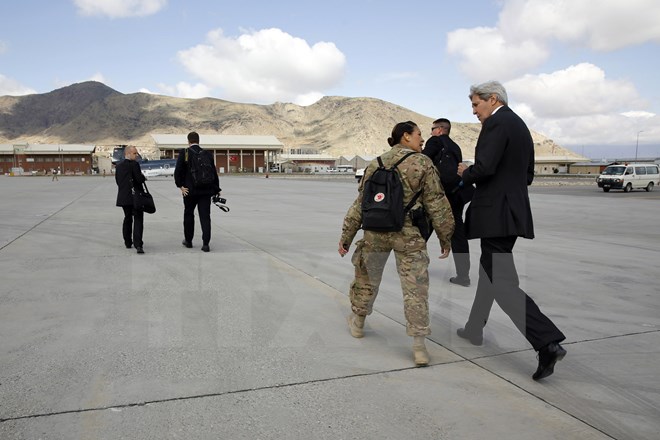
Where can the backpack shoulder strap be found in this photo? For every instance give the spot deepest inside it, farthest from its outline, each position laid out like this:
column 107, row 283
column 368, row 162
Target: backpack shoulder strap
column 412, row 201
column 401, row 160
column 380, row 162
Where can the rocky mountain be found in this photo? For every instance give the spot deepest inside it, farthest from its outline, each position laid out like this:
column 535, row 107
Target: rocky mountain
column 93, row 113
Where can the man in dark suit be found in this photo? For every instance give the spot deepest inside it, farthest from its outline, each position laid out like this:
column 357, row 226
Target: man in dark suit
column 500, row 212
column 195, row 196
column 129, row 177
column 446, row 155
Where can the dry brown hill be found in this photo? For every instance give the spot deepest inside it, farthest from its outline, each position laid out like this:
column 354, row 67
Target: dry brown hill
column 93, row 113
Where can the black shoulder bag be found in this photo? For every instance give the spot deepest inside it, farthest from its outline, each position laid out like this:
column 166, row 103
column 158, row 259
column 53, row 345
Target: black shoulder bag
column 143, row 200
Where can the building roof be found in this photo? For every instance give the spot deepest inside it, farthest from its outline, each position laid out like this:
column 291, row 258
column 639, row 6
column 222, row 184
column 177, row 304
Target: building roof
column 359, row 156
column 634, row 160
column 592, row 163
column 559, row 159
column 285, row 157
column 25, row 148
column 216, row 141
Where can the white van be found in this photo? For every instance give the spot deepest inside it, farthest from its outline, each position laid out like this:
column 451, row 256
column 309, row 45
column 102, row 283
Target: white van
column 629, row 176
column 345, row 168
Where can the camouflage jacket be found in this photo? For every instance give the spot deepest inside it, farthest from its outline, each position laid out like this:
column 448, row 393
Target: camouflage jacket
column 417, row 173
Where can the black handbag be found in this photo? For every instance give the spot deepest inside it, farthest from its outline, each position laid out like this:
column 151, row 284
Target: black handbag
column 143, row 200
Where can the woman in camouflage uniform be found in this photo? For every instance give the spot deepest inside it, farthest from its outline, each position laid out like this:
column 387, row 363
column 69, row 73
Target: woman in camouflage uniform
column 417, row 173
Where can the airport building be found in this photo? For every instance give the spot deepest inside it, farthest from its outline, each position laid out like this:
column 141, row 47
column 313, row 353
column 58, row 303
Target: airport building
column 232, row 153
column 27, row 158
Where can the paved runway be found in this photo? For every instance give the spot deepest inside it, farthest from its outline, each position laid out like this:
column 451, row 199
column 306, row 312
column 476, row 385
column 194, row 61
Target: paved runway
column 249, row 341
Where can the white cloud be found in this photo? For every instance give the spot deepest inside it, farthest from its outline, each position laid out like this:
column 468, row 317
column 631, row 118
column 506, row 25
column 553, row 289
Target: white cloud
column 605, row 129
column 486, row 54
column 265, row 66
column 12, row 87
column 186, row 90
column 638, row 114
column 308, row 98
column 598, row 24
column 575, row 91
column 193, row 91
column 526, row 28
column 580, row 106
column 98, row 77
column 577, row 105
column 119, row 8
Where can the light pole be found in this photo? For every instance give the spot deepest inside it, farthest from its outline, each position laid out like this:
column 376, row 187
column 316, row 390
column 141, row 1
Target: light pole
column 637, row 144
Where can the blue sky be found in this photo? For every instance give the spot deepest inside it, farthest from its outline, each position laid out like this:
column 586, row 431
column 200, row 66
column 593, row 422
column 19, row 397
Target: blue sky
column 582, row 72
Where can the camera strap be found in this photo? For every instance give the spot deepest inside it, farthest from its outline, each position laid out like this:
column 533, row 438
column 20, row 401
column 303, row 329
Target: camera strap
column 222, row 207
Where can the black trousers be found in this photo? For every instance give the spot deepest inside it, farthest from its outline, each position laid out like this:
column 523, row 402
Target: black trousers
column 132, row 232
column 203, row 204
column 459, row 243
column 498, row 281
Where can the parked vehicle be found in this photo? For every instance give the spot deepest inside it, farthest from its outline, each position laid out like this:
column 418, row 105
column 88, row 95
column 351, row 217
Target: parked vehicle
column 359, row 174
column 629, row 176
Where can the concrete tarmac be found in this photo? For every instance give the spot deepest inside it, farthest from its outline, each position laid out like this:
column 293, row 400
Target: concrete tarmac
column 250, row 340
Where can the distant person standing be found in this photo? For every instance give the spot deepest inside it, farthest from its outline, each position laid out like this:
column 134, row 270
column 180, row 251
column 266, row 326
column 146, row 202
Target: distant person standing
column 55, row 173
column 129, row 178
column 197, row 178
column 500, row 212
column 446, row 155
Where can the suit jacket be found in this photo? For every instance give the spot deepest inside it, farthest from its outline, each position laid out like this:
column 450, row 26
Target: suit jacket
column 125, row 171
column 183, row 177
column 504, row 167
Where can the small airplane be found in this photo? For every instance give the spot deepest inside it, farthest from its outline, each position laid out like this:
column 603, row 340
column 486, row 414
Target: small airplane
column 161, row 167
column 150, row 168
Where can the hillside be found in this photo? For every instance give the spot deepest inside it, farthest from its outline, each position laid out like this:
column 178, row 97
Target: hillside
column 93, row 113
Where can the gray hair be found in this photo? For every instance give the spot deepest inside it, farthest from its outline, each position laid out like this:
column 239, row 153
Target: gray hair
column 485, row 90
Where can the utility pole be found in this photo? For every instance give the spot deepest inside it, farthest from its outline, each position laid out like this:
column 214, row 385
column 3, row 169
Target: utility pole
column 637, row 144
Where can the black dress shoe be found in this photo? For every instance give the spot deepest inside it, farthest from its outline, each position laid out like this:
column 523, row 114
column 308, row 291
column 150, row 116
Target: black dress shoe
column 461, row 281
column 186, row 243
column 206, row 248
column 548, row 357
column 128, row 245
column 140, row 250
column 473, row 338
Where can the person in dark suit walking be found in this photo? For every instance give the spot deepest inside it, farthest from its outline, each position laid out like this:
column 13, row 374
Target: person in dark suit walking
column 446, row 155
column 199, row 197
column 129, row 177
column 500, row 212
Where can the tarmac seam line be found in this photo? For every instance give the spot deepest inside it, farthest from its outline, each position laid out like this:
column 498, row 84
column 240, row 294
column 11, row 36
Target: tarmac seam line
column 515, row 385
column 209, row 395
column 472, row 361
column 48, row 218
column 464, row 359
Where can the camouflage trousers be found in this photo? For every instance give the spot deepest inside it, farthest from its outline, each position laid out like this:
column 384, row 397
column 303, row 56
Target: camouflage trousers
column 412, row 262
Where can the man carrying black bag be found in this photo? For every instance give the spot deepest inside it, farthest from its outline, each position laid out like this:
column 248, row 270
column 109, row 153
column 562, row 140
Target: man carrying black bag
column 129, row 178
column 197, row 178
column 446, row 156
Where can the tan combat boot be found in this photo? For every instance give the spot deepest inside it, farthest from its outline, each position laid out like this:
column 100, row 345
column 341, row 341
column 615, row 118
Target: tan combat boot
column 420, row 354
column 356, row 325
